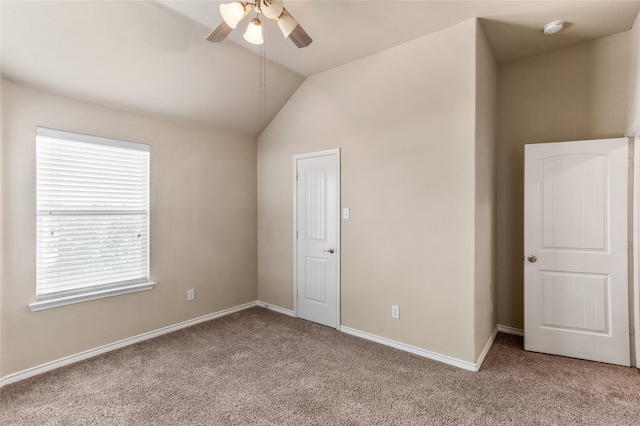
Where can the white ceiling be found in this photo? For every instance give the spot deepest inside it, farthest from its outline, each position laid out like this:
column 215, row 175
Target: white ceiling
column 344, row 31
column 153, row 56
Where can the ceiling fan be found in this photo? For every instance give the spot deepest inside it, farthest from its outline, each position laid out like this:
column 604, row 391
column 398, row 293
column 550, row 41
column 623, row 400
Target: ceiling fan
column 233, row 13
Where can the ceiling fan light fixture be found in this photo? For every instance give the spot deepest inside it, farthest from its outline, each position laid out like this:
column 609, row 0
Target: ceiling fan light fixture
column 287, row 24
column 272, row 9
column 233, row 13
column 254, row 32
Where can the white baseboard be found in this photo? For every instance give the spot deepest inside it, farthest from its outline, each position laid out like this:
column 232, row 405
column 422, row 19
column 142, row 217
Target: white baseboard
column 276, row 308
column 465, row 365
column 407, row 348
column 487, row 346
column 510, row 330
column 43, row 368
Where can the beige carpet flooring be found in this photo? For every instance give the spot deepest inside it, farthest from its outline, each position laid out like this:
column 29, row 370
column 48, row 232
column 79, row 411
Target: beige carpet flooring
column 261, row 368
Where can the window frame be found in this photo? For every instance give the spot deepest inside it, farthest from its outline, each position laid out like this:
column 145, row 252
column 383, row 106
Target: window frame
column 67, row 295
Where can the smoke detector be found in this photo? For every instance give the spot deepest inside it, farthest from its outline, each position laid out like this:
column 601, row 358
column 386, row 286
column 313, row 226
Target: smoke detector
column 553, row 27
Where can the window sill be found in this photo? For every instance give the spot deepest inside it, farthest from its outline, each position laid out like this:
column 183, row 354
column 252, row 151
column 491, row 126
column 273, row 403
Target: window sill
column 78, row 298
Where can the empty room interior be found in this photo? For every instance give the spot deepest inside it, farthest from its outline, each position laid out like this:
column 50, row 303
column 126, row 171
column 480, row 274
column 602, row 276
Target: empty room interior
column 387, row 173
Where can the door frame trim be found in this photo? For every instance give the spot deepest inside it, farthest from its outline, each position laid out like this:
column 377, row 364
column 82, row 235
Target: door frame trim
column 297, row 157
column 634, row 292
column 633, row 133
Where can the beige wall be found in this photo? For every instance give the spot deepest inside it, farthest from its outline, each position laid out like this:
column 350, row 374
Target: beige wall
column 575, row 93
column 203, row 228
column 485, row 147
column 633, row 115
column 405, row 122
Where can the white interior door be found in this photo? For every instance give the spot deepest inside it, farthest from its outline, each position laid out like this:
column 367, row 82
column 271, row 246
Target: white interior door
column 317, row 255
column 576, row 277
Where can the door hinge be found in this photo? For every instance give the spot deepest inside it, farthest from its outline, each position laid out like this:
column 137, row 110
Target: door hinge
column 296, row 293
column 631, row 329
column 296, row 177
column 629, row 245
column 296, row 235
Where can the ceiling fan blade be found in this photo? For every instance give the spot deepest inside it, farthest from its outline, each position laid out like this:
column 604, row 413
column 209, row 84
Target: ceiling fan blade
column 298, row 36
column 220, row 32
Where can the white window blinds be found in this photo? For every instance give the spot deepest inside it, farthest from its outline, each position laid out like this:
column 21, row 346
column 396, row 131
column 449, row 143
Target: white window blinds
column 92, row 213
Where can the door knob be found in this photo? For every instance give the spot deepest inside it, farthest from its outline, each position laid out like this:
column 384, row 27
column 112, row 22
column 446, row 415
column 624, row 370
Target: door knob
column 331, row 250
column 531, row 258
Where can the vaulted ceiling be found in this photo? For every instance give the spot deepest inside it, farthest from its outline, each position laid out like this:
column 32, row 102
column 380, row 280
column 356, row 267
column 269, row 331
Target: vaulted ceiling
column 152, row 56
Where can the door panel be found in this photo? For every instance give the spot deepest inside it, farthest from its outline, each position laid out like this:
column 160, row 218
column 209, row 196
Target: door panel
column 574, row 202
column 315, row 280
column 317, row 242
column 576, row 280
column 574, row 301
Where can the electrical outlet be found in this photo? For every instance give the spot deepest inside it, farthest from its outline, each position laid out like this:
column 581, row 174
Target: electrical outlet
column 395, row 311
column 191, row 294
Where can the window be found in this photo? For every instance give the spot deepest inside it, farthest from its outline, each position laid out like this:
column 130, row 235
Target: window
column 92, row 218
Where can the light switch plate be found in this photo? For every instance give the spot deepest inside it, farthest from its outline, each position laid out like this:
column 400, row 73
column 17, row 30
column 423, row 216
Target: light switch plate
column 345, row 213
column 395, row 311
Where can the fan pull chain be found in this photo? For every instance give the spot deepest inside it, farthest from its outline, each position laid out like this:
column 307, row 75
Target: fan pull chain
column 263, row 78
